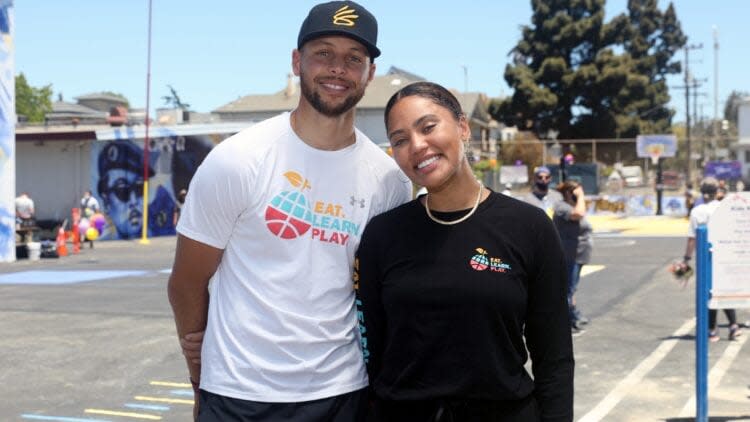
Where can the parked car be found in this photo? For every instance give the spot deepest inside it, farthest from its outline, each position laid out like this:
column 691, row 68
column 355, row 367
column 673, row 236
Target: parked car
column 632, row 176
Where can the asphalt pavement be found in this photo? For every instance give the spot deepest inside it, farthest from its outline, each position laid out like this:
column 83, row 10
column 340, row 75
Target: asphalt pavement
column 90, row 337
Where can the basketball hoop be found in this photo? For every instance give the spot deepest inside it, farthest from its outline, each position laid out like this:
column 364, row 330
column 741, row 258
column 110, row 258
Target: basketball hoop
column 655, row 151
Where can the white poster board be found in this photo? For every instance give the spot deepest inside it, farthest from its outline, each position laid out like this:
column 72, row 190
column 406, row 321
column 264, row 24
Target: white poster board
column 517, row 174
column 729, row 235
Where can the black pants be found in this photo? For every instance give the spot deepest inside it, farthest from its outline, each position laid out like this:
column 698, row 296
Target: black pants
column 525, row 410
column 350, row 407
column 713, row 313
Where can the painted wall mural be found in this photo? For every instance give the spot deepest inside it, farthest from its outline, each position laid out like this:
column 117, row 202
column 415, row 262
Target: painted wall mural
column 7, row 134
column 117, row 182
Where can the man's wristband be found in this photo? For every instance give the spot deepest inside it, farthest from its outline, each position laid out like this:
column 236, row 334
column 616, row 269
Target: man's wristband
column 686, row 258
column 196, row 385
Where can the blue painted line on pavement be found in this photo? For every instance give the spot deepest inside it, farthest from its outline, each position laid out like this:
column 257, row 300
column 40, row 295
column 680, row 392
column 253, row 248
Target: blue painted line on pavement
column 147, row 406
column 188, row 393
column 64, row 277
column 60, row 418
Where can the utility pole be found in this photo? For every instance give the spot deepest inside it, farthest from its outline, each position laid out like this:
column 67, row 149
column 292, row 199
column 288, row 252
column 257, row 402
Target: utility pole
column 715, row 133
column 698, row 123
column 688, row 178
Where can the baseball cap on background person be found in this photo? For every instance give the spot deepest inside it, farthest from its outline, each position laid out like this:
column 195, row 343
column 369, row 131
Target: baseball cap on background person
column 542, row 169
column 345, row 18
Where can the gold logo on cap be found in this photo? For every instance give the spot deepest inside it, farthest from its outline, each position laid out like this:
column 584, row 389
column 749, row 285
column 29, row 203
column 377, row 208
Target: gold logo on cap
column 345, row 16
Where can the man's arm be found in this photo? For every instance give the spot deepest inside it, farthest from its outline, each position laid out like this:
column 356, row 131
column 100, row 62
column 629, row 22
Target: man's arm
column 194, row 265
column 689, row 249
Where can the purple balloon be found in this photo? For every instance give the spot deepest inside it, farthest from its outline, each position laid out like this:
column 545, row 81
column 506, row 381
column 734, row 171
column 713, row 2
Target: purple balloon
column 99, row 224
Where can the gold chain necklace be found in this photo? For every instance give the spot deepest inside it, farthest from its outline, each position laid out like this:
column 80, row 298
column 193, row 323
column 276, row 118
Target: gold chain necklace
column 450, row 223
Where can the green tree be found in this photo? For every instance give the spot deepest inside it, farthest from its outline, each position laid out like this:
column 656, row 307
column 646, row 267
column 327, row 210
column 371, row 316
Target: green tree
column 563, row 72
column 587, row 78
column 174, row 100
column 34, row 103
column 730, row 107
column 654, row 37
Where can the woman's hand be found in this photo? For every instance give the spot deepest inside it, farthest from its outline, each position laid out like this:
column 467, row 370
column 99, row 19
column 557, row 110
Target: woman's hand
column 578, row 192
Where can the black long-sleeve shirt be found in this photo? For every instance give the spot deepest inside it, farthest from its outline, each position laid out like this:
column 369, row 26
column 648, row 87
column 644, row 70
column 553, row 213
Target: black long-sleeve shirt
column 444, row 310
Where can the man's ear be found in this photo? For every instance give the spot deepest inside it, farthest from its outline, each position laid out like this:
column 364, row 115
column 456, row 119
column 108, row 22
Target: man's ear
column 296, row 58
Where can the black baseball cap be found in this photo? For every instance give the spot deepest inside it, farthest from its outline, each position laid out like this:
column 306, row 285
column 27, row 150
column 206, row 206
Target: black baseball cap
column 345, row 18
column 122, row 155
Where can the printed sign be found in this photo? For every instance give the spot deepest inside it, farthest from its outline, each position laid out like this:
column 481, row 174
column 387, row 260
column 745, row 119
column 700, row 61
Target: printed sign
column 729, row 235
column 727, row 170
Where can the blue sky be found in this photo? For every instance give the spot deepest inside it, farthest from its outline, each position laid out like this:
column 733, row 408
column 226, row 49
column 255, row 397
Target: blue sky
column 214, row 52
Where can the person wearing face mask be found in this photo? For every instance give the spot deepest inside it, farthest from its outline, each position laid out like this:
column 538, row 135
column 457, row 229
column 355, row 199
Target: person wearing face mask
column 541, row 195
column 575, row 233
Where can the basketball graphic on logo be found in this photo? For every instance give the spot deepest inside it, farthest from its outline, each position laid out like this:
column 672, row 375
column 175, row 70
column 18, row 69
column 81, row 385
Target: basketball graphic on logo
column 480, row 262
column 288, row 215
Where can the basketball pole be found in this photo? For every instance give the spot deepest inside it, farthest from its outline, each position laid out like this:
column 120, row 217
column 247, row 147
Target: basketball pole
column 659, row 183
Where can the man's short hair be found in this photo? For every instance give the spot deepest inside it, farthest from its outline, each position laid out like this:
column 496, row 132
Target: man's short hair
column 709, row 186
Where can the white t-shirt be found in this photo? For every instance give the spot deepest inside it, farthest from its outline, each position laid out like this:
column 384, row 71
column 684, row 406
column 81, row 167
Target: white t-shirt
column 281, row 323
column 700, row 215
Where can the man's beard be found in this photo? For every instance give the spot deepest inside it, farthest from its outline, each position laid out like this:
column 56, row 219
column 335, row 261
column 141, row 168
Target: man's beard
column 542, row 186
column 329, row 110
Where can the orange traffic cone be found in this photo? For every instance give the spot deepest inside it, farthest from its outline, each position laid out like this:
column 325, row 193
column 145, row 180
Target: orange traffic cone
column 62, row 249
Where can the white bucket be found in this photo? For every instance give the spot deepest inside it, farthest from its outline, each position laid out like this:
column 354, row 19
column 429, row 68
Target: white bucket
column 35, row 250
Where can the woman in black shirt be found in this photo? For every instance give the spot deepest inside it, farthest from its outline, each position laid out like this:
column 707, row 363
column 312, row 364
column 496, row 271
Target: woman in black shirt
column 454, row 287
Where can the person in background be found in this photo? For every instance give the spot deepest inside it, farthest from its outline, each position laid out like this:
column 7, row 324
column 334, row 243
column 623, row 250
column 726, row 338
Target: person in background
column 541, row 195
column 25, row 210
column 272, row 219
column 459, row 287
column 701, row 214
column 689, row 198
column 721, row 190
column 576, row 236
column 178, row 205
column 89, row 205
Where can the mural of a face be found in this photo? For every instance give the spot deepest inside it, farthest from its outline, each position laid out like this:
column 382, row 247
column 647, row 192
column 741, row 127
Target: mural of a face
column 120, row 186
column 123, row 198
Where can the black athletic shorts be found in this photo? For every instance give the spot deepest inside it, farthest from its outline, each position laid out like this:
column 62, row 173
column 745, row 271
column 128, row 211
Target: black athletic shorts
column 349, row 407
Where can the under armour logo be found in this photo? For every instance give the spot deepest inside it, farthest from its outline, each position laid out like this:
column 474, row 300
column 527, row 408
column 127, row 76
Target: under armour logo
column 354, row 201
column 345, row 16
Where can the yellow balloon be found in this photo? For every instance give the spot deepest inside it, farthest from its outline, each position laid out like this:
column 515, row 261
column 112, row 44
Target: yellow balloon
column 92, row 233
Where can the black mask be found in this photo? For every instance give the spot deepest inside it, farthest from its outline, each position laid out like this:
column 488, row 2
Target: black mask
column 542, row 186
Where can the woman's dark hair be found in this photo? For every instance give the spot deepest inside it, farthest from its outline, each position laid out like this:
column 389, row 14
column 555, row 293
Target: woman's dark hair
column 567, row 186
column 431, row 91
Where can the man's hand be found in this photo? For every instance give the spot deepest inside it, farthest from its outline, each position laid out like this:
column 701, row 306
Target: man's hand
column 191, row 346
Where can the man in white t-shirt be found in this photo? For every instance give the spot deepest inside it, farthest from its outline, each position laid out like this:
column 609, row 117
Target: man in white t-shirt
column 24, row 210
column 89, row 205
column 700, row 214
column 272, row 219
